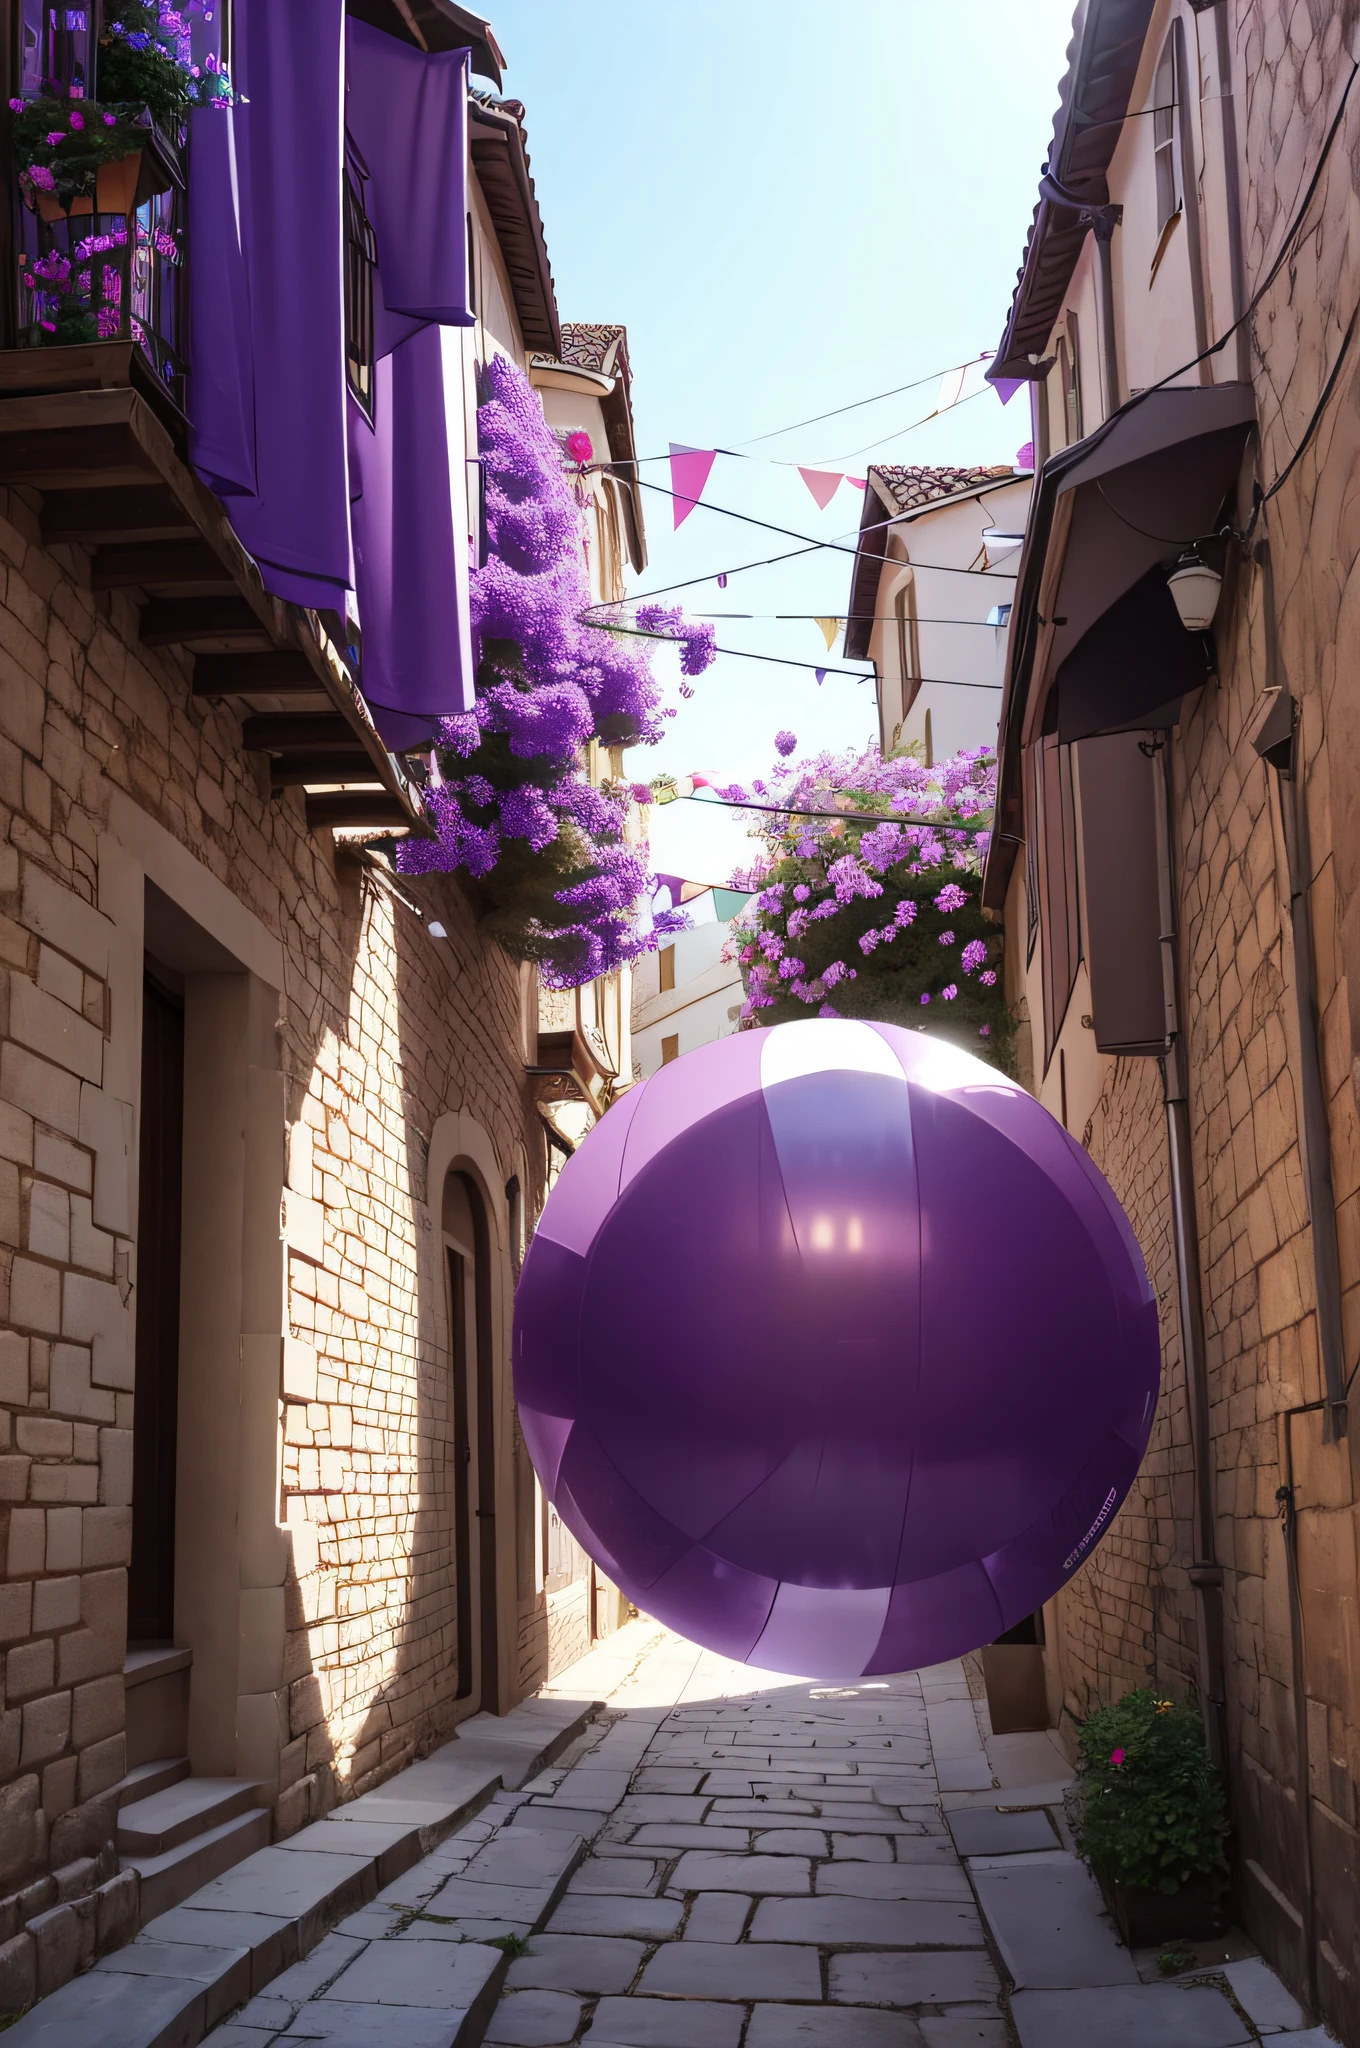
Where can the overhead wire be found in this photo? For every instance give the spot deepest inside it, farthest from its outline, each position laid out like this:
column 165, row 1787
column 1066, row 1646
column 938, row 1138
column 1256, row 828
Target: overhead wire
column 846, row 817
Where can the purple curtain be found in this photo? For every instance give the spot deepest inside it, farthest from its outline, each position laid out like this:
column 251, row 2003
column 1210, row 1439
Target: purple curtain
column 410, row 558
column 267, row 380
column 407, row 114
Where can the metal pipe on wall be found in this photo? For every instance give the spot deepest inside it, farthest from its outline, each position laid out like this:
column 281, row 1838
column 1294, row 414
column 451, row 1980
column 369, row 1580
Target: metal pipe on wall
column 1289, row 1515
column 1205, row 1571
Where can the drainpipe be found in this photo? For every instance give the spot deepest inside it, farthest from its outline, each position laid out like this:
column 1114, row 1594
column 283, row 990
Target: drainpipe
column 1289, row 1515
column 1205, row 1573
column 1278, row 743
column 1104, row 220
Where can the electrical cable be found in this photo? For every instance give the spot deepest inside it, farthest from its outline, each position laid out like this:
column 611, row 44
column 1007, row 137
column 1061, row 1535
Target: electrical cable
column 834, row 547
column 846, row 817
column 785, row 661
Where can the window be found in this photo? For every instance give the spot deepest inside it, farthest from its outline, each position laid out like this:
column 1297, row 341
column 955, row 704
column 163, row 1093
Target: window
column 908, row 642
column 361, row 256
column 665, row 960
column 1057, row 878
column 1164, row 101
column 1072, row 380
column 670, row 1049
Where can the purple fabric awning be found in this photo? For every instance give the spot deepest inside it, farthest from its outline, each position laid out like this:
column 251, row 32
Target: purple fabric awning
column 410, row 556
column 323, row 499
column 407, row 114
column 267, row 376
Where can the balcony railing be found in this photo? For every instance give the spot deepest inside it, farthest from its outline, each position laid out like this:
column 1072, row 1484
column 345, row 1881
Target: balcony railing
column 101, row 264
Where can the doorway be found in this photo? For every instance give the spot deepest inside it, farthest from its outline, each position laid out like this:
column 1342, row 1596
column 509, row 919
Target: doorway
column 151, row 1575
column 472, row 1441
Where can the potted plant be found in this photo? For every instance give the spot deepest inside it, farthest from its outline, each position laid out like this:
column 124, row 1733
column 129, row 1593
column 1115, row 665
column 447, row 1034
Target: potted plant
column 1153, row 1820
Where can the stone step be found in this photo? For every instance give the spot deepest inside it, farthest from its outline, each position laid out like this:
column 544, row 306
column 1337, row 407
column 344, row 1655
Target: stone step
column 144, row 1779
column 167, row 1879
column 178, row 1811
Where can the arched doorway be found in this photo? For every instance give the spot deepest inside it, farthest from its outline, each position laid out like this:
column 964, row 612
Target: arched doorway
column 472, row 1438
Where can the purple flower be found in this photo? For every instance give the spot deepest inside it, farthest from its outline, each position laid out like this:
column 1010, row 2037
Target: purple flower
column 110, row 120
column 16, row 106
column 925, row 996
column 789, row 966
column 57, row 135
column 848, row 877
column 951, row 897
column 77, row 121
column 785, row 742
column 837, row 971
column 974, row 953
column 641, row 792
column 827, row 1011
column 946, row 938
column 949, row 991
column 801, row 892
column 988, row 979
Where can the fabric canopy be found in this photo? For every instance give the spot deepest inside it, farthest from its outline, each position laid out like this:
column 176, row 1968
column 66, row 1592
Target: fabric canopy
column 267, row 379
column 407, row 114
column 411, row 563
column 325, row 499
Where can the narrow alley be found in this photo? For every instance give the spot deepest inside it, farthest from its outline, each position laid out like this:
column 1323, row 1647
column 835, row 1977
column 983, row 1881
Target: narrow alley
column 720, row 1858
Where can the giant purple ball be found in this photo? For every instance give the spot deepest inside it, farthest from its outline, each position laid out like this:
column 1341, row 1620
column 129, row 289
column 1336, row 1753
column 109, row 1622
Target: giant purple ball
column 834, row 1350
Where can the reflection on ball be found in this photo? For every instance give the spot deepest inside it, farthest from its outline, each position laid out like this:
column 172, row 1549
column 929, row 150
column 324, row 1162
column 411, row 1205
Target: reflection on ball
column 834, row 1350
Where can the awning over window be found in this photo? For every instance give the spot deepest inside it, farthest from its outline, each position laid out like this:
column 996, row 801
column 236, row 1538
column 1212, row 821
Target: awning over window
column 1096, row 644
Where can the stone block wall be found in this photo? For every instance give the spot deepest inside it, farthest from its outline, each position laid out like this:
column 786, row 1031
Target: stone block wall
column 376, row 1037
column 1128, row 1617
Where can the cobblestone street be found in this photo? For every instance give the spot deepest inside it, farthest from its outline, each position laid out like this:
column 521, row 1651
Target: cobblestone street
column 731, row 1860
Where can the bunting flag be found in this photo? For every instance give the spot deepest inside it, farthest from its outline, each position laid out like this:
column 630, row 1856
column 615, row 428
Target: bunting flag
column 820, row 674
column 861, row 483
column 1024, row 457
column 823, row 484
column 830, row 628
column 689, row 473
column 1006, row 388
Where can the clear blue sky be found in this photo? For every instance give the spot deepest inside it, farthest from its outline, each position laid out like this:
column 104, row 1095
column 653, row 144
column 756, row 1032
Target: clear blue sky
column 790, row 207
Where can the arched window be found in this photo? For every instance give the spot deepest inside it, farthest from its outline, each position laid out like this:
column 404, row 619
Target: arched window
column 470, row 1440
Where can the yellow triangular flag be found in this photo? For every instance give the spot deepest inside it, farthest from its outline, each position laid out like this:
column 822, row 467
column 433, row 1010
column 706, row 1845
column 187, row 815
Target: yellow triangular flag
column 830, row 628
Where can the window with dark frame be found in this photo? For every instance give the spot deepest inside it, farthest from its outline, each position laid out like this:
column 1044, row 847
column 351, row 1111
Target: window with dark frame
column 1165, row 99
column 361, row 258
column 1059, row 908
column 1072, row 380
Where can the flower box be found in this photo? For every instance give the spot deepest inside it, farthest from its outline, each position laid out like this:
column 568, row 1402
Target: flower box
column 1147, row 1918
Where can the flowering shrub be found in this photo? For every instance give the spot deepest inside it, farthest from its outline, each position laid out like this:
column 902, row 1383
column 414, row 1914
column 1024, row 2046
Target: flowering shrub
column 511, row 805
column 1152, row 1805
column 79, row 297
column 882, row 916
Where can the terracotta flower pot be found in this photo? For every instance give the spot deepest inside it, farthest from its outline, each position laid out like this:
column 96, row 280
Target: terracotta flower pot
column 116, row 184
column 51, row 208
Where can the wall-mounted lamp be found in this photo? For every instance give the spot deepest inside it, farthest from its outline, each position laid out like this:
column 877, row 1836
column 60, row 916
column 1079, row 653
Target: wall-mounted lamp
column 1195, row 589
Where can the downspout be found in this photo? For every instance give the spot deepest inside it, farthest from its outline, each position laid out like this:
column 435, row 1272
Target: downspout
column 1284, row 757
column 1289, row 1516
column 1205, row 1572
column 1104, row 220
column 1185, row 136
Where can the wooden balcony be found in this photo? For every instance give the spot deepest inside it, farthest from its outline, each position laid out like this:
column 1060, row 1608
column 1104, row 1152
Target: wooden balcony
column 104, row 447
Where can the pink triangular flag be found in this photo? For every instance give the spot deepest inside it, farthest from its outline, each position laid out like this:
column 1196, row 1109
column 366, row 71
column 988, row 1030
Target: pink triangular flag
column 823, row 484
column 861, row 483
column 689, row 474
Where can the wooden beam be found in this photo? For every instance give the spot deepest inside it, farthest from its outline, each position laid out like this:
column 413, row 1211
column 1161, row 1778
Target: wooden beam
column 70, row 458
column 131, row 514
column 277, row 732
column 155, row 565
column 293, row 771
column 279, row 673
column 355, row 807
column 169, row 622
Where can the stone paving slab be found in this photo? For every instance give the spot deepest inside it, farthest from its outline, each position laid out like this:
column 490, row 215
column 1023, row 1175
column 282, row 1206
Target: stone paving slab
column 108, row 2009
column 420, row 1973
column 1047, row 1921
column 894, row 1881
column 980, row 1831
column 657, row 2023
column 225, row 1975
column 535, row 2019
column 607, row 1873
column 737, row 1970
column 785, row 2026
column 1261, row 1995
column 913, row 1977
column 699, row 1872
column 599, row 1913
column 270, row 1942
column 1128, row 2016
column 577, row 1962
column 338, row 2025
column 867, row 1923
